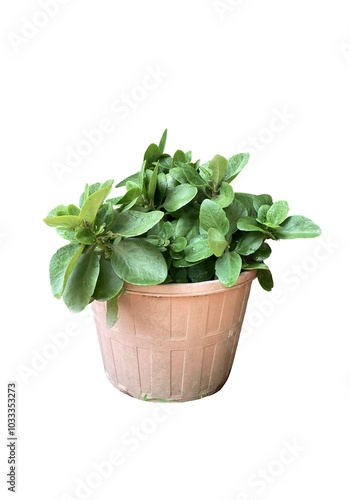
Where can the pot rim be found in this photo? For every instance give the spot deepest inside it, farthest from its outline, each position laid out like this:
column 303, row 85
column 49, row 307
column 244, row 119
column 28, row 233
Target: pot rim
column 183, row 289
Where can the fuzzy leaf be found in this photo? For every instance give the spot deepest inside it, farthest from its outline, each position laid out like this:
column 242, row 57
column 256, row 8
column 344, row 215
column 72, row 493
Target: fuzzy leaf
column 265, row 279
column 94, row 201
column 179, row 244
column 226, row 195
column 190, row 174
column 134, row 223
column 108, row 284
column 249, row 243
column 81, row 283
column 249, row 224
column 297, row 226
column 64, row 221
column 152, row 154
column 133, row 178
column 211, row 215
column 262, row 211
column 138, row 262
column 262, row 253
column 277, row 213
column 113, row 309
column 61, row 265
column 235, row 165
column 85, row 235
column 162, row 142
column 203, row 271
column 179, row 197
column 234, row 212
column 218, row 167
column 247, row 201
column 261, row 199
column 198, row 250
column 228, row 268
column 217, row 241
column 179, row 156
column 152, row 185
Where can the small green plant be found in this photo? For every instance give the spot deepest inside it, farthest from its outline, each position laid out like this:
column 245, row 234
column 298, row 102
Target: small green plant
column 178, row 221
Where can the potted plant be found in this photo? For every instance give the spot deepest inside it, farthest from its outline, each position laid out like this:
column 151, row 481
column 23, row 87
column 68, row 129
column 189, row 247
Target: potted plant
column 167, row 267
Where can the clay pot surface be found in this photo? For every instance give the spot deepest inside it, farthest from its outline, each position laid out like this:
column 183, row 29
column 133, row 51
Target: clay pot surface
column 173, row 342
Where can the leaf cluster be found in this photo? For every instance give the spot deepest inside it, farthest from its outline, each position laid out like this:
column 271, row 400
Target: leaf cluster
column 178, row 221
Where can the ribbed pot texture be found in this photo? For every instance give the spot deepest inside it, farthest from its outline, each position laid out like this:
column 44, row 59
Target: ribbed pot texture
column 174, row 342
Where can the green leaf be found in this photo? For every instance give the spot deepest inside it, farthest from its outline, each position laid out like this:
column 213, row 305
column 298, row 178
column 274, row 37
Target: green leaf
column 218, row 167
column 166, row 230
column 198, row 250
column 190, row 174
column 247, row 266
column 179, row 263
column 179, row 244
column 133, row 178
column 262, row 253
column 68, row 233
column 130, row 196
column 81, row 283
column 162, row 142
column 188, row 156
column 138, row 262
column 262, row 211
column 108, row 284
column 133, row 223
column 73, row 210
column 64, row 221
column 249, row 243
column 112, row 310
column 85, row 236
column 61, row 265
column 180, row 276
column 249, row 224
column 179, row 197
column 89, row 190
column 178, row 174
column 261, row 199
column 277, row 213
column 235, row 165
column 265, row 279
column 217, row 241
column 59, row 211
column 297, row 226
column 152, row 154
column 86, row 192
column 161, row 187
column 94, row 201
column 247, row 201
column 211, row 215
column 152, row 185
column 186, row 223
column 228, row 268
column 179, row 156
column 225, row 197
column 171, row 183
column 234, row 212
column 203, row 271
column 105, row 216
column 165, row 161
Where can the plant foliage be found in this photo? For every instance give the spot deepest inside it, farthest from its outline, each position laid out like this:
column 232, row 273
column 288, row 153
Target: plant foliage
column 178, row 221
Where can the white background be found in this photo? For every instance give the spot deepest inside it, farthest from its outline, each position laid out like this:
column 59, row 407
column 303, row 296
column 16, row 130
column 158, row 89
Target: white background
column 223, row 75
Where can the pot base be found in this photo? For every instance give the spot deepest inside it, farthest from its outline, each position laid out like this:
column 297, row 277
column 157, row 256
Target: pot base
column 173, row 342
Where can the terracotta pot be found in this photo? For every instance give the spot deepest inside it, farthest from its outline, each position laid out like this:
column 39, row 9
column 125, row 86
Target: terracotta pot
column 175, row 341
